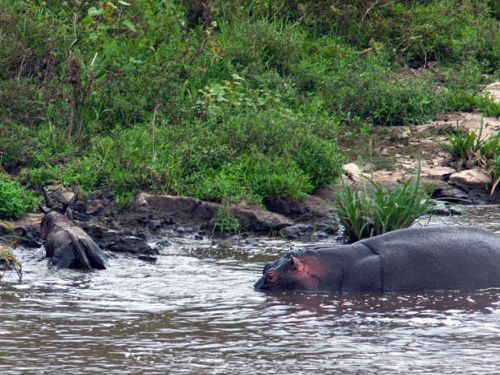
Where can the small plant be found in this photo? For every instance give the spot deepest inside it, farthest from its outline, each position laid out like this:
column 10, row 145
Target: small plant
column 469, row 149
column 462, row 146
column 225, row 222
column 8, row 261
column 376, row 210
column 15, row 200
column 488, row 158
column 496, row 174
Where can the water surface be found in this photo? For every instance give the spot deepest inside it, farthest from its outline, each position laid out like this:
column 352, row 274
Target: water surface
column 195, row 311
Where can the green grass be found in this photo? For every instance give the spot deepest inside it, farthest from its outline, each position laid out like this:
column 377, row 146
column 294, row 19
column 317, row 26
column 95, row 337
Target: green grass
column 226, row 100
column 226, row 223
column 375, row 210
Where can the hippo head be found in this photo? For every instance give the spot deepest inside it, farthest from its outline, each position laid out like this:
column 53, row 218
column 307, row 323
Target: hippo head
column 294, row 271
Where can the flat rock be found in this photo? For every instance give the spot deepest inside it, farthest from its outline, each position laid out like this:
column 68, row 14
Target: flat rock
column 494, row 90
column 353, row 171
column 258, row 219
column 295, row 231
column 120, row 241
column 311, row 208
column 436, row 171
column 476, row 176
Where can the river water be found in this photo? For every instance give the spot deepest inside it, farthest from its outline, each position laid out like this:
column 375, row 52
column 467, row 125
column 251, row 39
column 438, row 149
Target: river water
column 195, row 312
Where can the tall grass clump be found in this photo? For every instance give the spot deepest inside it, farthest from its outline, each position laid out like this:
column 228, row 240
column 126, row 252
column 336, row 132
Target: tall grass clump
column 468, row 149
column 462, row 145
column 375, row 210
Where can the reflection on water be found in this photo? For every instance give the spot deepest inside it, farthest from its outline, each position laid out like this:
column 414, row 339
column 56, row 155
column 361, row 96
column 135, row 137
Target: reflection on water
column 195, row 312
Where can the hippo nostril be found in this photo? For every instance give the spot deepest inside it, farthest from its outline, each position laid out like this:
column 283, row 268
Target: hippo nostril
column 271, row 277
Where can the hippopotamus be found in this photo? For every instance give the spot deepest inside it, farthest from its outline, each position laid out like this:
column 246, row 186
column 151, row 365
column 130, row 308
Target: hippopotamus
column 406, row 260
column 68, row 245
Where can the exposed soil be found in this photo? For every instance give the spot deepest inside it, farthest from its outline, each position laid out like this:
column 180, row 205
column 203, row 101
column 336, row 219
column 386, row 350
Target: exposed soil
column 390, row 155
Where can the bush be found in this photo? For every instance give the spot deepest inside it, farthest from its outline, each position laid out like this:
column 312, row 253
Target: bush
column 376, row 210
column 15, row 201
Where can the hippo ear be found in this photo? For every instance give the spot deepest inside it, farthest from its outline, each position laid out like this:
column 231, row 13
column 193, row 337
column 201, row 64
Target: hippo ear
column 296, row 263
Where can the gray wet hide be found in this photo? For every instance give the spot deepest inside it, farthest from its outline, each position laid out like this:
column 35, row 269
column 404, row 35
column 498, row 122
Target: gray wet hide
column 407, row 260
column 69, row 246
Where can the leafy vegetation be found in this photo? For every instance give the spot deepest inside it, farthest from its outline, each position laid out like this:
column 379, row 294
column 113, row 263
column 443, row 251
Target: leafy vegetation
column 15, row 201
column 376, row 210
column 463, row 146
column 226, row 222
column 468, row 149
column 226, row 100
column 8, row 260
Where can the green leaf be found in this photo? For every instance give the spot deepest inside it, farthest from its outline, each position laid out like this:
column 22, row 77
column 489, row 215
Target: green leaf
column 93, row 12
column 130, row 25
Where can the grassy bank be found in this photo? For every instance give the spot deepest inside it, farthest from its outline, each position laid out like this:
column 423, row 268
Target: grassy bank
column 226, row 100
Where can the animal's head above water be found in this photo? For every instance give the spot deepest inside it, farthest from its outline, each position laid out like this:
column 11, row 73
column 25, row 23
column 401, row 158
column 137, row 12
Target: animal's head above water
column 295, row 271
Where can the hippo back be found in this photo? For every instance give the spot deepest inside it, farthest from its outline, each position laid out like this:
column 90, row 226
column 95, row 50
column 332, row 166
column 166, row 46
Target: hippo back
column 437, row 258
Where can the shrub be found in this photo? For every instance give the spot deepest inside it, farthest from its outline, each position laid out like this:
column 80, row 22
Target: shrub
column 15, row 201
column 376, row 210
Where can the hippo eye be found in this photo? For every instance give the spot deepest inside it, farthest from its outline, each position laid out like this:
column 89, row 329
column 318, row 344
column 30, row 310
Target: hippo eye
column 266, row 268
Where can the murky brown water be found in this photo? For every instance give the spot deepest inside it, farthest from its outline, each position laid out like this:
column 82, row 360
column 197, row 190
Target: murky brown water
column 195, row 312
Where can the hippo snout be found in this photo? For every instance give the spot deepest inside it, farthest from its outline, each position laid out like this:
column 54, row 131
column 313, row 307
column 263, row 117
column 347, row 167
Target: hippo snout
column 259, row 285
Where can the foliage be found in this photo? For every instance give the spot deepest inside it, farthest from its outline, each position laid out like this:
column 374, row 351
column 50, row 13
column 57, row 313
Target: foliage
column 376, row 210
column 462, row 145
column 225, row 222
column 8, row 260
column 489, row 158
column 467, row 148
column 15, row 200
column 225, row 100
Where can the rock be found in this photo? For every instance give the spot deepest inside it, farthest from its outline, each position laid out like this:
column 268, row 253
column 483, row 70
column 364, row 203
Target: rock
column 147, row 258
column 353, row 171
column 494, row 90
column 475, row 176
column 443, row 209
column 450, row 194
column 156, row 211
column 118, row 240
column 436, row 171
column 259, row 220
column 129, row 244
column 295, row 231
column 190, row 211
column 26, row 230
column 310, row 208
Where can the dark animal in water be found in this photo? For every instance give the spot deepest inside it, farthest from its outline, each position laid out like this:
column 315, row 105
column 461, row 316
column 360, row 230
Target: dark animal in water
column 415, row 259
column 67, row 244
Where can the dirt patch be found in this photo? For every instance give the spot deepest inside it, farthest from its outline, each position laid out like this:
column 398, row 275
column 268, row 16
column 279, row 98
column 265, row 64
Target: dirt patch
column 391, row 155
